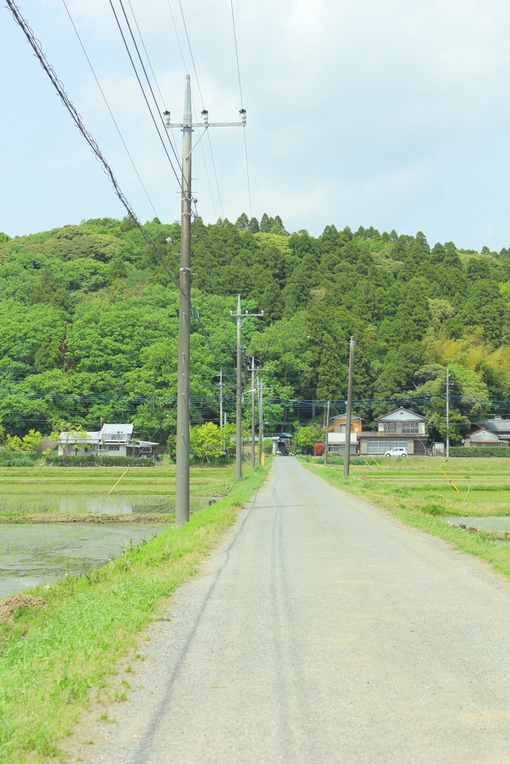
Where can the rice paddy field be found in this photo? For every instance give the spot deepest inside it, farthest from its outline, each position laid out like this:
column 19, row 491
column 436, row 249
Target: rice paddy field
column 115, row 491
column 458, row 486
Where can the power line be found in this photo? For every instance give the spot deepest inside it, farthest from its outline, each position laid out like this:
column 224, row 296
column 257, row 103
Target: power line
column 142, row 88
column 37, row 48
column 202, row 102
column 242, row 105
column 108, row 107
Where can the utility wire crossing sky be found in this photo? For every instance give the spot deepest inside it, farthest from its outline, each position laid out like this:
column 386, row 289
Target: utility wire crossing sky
column 389, row 114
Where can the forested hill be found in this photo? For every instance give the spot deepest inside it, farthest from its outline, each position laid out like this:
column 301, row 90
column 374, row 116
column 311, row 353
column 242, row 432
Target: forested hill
column 88, row 324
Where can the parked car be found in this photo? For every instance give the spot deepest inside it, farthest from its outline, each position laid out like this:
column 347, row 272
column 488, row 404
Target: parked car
column 398, row 451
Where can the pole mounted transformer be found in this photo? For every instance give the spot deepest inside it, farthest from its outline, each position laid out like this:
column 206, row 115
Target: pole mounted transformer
column 182, row 492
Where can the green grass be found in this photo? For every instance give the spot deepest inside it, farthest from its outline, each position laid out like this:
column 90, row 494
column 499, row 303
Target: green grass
column 28, row 492
column 205, row 481
column 54, row 661
column 417, row 503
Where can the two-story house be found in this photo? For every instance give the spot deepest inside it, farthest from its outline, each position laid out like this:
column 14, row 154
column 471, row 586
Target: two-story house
column 110, row 440
column 399, row 428
column 336, row 438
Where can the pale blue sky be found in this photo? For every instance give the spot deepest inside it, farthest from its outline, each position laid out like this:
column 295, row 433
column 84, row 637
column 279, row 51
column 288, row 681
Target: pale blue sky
column 393, row 114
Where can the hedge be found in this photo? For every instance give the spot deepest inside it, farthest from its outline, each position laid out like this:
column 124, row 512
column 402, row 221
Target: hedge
column 503, row 452
column 99, row 461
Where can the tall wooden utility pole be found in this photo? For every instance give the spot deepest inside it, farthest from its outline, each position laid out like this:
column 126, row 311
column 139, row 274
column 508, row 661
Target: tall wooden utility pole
column 183, row 363
column 447, row 413
column 348, row 412
column 326, row 439
column 252, row 413
column 261, row 422
column 239, row 386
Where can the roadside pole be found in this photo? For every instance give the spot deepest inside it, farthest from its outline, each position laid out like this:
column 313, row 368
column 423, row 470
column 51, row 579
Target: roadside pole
column 347, row 449
column 252, row 413
column 239, row 386
column 326, row 439
column 183, row 362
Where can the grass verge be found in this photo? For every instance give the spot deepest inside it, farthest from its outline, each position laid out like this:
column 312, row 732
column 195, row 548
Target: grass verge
column 54, row 659
column 416, row 512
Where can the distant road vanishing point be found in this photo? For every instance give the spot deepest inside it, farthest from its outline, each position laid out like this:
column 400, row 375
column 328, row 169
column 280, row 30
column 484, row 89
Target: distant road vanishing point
column 322, row 631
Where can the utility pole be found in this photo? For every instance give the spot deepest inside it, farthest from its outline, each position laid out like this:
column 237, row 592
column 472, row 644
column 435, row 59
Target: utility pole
column 252, row 413
column 261, row 423
column 326, row 443
column 239, row 387
column 348, row 412
column 221, row 405
column 183, row 363
column 447, row 413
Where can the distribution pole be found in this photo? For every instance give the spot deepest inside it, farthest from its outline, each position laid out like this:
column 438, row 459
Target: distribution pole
column 447, row 413
column 239, row 387
column 261, row 423
column 183, row 363
column 348, row 412
column 239, row 397
column 221, row 406
column 252, row 413
column 326, row 443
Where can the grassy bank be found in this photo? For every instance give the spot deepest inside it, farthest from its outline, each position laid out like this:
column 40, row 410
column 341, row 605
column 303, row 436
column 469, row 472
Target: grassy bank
column 53, row 660
column 411, row 491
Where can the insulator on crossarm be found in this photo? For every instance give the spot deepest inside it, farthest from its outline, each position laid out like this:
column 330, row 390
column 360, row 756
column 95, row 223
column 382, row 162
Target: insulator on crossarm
column 242, row 114
column 205, row 117
column 166, row 115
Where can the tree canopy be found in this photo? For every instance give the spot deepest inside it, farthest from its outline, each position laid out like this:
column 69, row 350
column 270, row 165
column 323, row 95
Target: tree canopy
column 88, row 324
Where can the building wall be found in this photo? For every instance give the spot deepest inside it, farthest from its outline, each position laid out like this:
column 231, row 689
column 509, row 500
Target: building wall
column 356, row 424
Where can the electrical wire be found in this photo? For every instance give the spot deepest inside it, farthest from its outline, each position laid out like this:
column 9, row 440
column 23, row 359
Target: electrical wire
column 203, row 106
column 159, row 108
column 146, row 53
column 242, row 105
column 179, row 180
column 108, row 107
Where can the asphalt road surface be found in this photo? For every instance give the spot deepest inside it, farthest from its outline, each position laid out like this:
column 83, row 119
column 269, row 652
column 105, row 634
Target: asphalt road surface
column 322, row 631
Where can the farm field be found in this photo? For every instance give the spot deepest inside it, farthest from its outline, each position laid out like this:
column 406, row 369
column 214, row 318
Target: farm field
column 34, row 490
column 480, row 486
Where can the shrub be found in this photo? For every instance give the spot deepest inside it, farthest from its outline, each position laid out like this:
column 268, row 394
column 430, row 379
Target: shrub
column 267, row 445
column 432, row 509
column 99, row 461
column 480, row 451
column 318, row 449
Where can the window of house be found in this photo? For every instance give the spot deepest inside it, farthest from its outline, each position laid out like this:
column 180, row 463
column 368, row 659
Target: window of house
column 411, row 428
column 381, row 446
column 390, row 426
column 113, row 448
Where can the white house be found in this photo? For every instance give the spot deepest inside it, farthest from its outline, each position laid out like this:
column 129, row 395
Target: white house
column 111, row 440
column 483, row 437
column 400, row 428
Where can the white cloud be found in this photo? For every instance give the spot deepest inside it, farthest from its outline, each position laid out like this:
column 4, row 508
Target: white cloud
column 387, row 113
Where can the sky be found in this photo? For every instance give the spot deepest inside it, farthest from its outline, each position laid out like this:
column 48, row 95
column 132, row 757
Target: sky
column 391, row 114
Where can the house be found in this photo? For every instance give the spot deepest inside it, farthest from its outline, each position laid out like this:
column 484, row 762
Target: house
column 110, row 440
column 336, row 438
column 281, row 443
column 398, row 429
column 481, row 436
column 497, row 426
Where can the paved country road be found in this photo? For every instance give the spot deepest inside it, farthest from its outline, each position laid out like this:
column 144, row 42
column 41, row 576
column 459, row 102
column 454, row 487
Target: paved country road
column 322, row 631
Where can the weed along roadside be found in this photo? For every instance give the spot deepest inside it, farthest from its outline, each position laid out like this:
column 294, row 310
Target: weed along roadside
column 419, row 496
column 57, row 657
